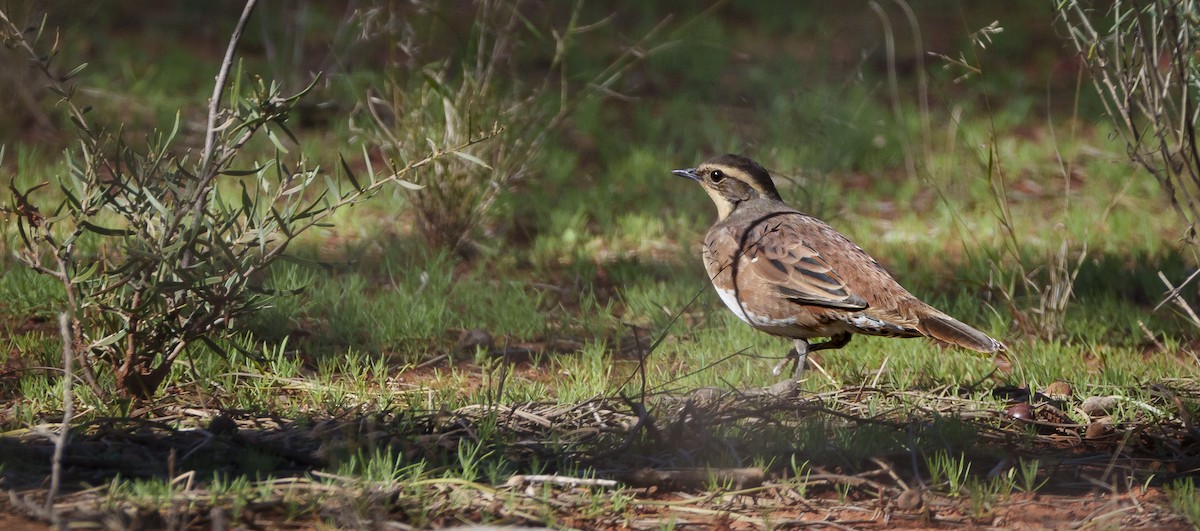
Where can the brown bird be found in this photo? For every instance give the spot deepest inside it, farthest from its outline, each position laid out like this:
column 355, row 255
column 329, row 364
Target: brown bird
column 792, row 275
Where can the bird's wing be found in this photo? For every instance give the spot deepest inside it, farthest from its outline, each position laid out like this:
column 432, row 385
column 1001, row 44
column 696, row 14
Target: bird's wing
column 776, row 256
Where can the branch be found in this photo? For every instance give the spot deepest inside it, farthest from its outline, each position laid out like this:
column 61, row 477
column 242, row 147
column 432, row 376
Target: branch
column 214, row 104
column 60, row 443
column 208, row 170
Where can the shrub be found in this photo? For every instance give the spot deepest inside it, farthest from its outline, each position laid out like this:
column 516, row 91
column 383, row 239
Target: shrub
column 1142, row 61
column 159, row 250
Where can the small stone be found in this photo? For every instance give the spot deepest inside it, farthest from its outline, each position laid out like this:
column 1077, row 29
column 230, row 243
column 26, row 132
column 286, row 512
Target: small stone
column 1099, row 428
column 1058, row 390
column 909, row 500
column 784, row 389
column 474, row 338
column 1098, row 406
column 1020, row 411
column 222, row 425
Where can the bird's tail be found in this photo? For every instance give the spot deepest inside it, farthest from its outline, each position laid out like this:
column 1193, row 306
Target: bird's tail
column 947, row 329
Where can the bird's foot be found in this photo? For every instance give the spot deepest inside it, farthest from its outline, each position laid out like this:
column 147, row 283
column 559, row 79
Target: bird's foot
column 798, row 356
column 790, row 357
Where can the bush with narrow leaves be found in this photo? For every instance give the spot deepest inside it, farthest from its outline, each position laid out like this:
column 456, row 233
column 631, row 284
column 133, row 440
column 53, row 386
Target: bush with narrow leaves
column 159, row 250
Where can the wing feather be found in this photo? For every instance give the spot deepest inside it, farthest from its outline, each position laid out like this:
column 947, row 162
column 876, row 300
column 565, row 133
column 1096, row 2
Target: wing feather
column 775, row 256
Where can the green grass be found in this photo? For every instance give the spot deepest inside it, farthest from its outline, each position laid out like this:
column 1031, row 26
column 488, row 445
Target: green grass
column 1183, row 498
column 593, row 260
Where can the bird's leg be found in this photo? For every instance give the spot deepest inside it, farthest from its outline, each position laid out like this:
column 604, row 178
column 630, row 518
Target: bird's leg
column 798, row 355
column 801, row 349
column 837, row 341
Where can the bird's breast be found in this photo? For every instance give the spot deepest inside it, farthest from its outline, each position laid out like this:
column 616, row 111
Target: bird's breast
column 738, row 307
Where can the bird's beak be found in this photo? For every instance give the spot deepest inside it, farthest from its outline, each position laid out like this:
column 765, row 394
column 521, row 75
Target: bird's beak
column 689, row 173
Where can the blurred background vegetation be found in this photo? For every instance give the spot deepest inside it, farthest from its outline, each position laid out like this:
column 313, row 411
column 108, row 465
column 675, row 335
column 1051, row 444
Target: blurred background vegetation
column 743, row 72
column 959, row 142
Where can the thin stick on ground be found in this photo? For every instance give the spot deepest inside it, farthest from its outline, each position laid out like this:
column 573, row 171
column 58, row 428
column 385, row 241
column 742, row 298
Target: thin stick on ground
column 60, row 443
column 566, row 481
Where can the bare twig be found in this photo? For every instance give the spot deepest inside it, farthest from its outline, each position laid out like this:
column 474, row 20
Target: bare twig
column 1173, row 296
column 60, row 442
column 1150, row 335
column 214, row 104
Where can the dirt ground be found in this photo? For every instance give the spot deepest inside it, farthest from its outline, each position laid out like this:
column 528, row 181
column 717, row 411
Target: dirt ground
column 1133, row 510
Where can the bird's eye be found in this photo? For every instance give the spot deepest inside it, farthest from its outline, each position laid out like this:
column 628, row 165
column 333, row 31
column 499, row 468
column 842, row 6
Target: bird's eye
column 717, row 176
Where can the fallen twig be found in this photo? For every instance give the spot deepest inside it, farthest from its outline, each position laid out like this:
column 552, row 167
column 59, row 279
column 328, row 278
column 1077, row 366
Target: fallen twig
column 693, row 478
column 1173, row 296
column 568, row 481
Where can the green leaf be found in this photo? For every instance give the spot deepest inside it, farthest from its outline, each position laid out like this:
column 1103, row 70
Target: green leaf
column 275, row 140
column 349, row 173
column 409, row 184
column 243, row 173
column 162, row 210
column 235, row 88
column 109, row 339
column 436, row 84
column 70, row 197
column 24, row 195
column 367, row 161
column 530, row 26
column 83, row 276
column 74, row 72
column 471, row 158
column 313, row 208
column 332, row 186
column 82, row 127
column 41, row 28
column 296, row 97
column 104, row 230
column 283, row 127
column 174, row 131
column 248, row 205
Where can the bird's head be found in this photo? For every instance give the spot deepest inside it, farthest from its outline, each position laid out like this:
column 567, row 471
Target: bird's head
column 731, row 180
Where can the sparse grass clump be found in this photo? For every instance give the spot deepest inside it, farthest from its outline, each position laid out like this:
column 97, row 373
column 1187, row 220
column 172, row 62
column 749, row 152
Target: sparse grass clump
column 444, row 100
column 1185, row 500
